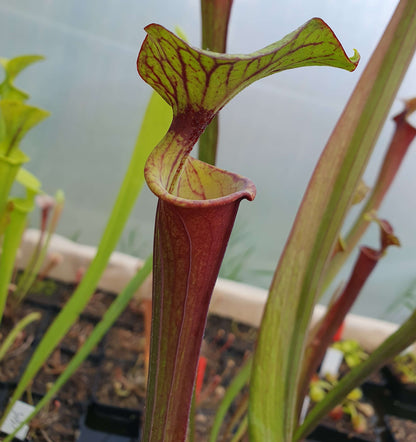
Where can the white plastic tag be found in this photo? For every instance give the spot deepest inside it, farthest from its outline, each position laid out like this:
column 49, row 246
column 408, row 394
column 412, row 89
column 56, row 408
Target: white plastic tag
column 17, row 415
column 331, row 363
column 305, row 408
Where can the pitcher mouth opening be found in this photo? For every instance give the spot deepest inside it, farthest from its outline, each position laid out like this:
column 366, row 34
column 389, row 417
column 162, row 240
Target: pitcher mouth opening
column 203, row 185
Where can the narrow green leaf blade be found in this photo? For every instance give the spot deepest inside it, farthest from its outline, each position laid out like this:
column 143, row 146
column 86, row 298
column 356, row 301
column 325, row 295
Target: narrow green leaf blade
column 109, row 317
column 16, row 330
column 316, row 229
column 215, row 18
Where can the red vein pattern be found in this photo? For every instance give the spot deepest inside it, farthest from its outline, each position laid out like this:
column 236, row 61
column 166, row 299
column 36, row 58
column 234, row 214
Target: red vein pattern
column 198, row 202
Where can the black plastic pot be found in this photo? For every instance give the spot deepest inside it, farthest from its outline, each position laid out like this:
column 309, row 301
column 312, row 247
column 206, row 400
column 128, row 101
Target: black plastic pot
column 103, row 423
column 405, row 393
column 324, row 433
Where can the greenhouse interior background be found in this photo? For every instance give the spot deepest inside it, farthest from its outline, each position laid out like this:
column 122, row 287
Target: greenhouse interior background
column 273, row 132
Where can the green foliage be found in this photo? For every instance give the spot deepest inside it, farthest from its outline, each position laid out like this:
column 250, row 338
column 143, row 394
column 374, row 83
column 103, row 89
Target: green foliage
column 155, row 122
column 16, row 119
column 196, row 210
column 13, row 67
column 110, row 316
column 352, row 350
column 405, row 364
column 301, row 269
column 17, row 329
column 352, row 405
column 210, row 80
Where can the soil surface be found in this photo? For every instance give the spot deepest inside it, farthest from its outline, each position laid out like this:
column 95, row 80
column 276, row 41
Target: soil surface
column 114, row 374
column 402, row 429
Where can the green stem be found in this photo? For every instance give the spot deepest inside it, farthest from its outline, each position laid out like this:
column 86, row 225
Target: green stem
column 237, row 384
column 239, row 416
column 241, row 430
column 21, row 325
column 208, row 143
column 12, row 238
column 8, row 171
column 215, row 16
column 39, row 254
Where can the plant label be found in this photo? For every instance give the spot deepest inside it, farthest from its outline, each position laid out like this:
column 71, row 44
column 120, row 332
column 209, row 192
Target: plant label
column 17, row 415
column 305, row 408
column 331, row 363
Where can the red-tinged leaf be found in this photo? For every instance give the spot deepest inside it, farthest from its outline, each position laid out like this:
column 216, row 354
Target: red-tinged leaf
column 403, row 137
column 299, row 277
column 324, row 332
column 198, row 202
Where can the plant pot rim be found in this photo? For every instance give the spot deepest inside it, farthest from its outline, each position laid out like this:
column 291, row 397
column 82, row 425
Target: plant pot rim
column 231, row 299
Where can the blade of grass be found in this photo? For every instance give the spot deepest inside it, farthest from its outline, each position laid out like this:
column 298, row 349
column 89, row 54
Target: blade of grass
column 237, row 384
column 241, row 430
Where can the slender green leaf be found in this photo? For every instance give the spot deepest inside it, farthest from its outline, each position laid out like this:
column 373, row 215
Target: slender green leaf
column 215, row 18
column 327, row 199
column 239, row 381
column 39, row 253
column 13, row 334
column 110, row 316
